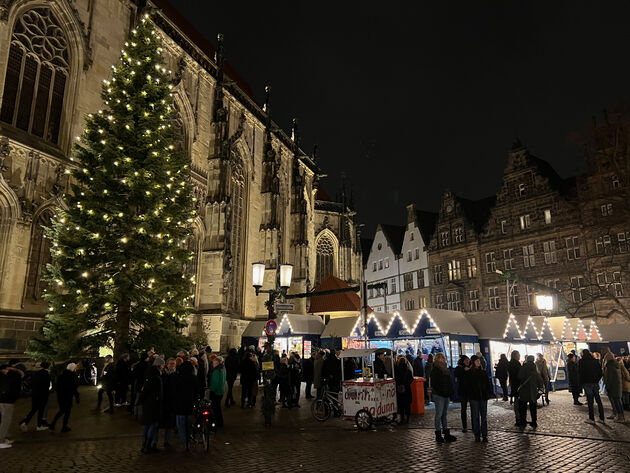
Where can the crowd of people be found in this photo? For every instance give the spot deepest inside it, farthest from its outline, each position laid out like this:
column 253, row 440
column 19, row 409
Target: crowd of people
column 162, row 392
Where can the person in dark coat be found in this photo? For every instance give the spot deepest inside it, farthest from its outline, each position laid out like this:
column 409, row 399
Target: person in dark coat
column 283, row 381
column 501, row 373
column 441, row 392
column 463, row 365
column 331, row 372
column 514, row 368
column 107, row 382
column 231, row 371
column 428, row 367
column 349, row 368
column 10, row 386
column 67, row 385
column 478, row 390
column 308, row 369
column 249, row 376
column 575, row 388
column 186, row 393
column 123, row 376
column 379, row 366
column 138, row 375
column 40, row 384
column 530, row 381
column 403, row 378
column 418, row 366
column 590, row 372
column 169, row 391
column 151, row 398
column 295, row 379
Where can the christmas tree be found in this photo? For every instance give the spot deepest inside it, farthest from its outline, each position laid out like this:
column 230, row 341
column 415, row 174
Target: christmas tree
column 119, row 248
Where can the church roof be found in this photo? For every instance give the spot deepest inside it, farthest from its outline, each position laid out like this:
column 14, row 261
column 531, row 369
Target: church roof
column 342, row 302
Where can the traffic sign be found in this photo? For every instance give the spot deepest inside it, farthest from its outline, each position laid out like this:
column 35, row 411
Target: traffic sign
column 270, row 327
column 277, row 307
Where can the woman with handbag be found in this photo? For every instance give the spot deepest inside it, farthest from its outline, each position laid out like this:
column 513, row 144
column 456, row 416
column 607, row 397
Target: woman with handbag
column 528, row 391
column 403, row 378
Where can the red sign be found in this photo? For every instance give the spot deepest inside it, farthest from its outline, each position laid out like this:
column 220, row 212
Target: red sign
column 270, row 327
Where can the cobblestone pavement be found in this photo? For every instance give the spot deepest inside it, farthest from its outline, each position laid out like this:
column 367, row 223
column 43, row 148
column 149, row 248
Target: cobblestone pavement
column 111, row 443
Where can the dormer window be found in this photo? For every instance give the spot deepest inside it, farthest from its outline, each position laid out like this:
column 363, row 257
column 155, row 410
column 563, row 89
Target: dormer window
column 411, row 236
column 615, row 182
column 445, row 238
column 521, row 190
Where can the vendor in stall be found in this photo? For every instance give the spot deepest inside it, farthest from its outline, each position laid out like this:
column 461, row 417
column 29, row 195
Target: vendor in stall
column 379, row 366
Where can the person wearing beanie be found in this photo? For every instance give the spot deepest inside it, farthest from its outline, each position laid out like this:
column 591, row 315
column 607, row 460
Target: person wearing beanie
column 10, row 386
column 67, row 385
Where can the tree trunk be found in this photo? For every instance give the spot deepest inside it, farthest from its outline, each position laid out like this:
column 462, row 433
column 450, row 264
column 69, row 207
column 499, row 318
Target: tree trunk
column 121, row 338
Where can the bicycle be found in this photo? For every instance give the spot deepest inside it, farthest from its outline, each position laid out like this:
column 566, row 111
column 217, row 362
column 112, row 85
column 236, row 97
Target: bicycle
column 203, row 424
column 327, row 405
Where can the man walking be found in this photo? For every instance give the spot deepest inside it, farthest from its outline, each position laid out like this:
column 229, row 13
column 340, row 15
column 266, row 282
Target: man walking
column 107, row 385
column 66, row 389
column 40, row 384
column 10, row 386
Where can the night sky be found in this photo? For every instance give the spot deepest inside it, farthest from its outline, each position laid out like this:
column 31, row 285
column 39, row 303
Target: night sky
column 410, row 98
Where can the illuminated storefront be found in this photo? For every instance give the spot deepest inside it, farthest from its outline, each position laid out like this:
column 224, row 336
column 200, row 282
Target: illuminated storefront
column 296, row 333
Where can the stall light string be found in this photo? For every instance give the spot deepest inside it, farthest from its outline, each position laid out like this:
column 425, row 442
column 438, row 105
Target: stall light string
column 530, row 323
column 512, row 319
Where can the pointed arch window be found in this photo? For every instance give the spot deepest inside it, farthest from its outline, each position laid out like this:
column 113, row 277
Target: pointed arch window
column 39, row 257
column 36, row 75
column 325, row 259
column 236, row 230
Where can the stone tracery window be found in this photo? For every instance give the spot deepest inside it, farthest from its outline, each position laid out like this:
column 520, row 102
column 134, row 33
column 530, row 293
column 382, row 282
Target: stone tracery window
column 237, row 232
column 179, row 130
column 36, row 75
column 325, row 259
column 39, row 257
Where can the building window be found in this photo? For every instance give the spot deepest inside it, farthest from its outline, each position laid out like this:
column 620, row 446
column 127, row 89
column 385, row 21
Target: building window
column 374, row 266
column 525, row 221
column 623, row 239
column 408, row 255
column 514, row 301
column 493, row 298
column 521, row 190
column 411, row 236
column 615, row 182
column 416, row 253
column 473, row 299
column 410, row 304
column 37, row 72
column 445, row 238
column 423, row 302
column 529, row 260
column 459, row 234
column 392, row 286
column 437, row 274
column 386, row 263
column 617, row 286
column 549, row 248
column 606, row 210
column 491, row 264
column 602, row 245
column 573, row 248
column 453, row 301
column 325, row 259
column 471, row 267
column 504, row 226
column 531, row 296
column 547, row 216
column 552, row 283
column 421, row 278
column 578, row 288
column 439, row 301
column 408, row 281
column 454, row 271
column 508, row 258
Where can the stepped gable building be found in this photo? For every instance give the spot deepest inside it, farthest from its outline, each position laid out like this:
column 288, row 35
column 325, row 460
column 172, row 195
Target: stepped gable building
column 383, row 267
column 414, row 261
column 256, row 189
column 454, row 253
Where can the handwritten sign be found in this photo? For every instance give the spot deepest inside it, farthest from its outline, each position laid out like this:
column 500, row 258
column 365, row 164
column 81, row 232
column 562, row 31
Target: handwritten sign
column 377, row 397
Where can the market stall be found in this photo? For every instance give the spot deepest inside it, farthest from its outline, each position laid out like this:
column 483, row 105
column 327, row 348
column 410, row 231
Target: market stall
column 368, row 399
column 617, row 336
column 342, row 333
column 296, row 333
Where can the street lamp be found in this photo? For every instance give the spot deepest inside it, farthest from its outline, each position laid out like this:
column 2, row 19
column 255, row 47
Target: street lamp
column 544, row 302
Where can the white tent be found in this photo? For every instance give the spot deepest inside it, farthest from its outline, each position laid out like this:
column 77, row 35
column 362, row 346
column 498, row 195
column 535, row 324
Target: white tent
column 340, row 327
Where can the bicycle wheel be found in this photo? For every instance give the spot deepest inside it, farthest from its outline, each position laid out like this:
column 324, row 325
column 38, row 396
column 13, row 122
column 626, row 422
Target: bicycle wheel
column 206, row 437
column 363, row 420
column 321, row 410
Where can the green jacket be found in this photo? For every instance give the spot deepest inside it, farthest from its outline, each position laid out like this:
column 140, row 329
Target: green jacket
column 612, row 379
column 217, row 381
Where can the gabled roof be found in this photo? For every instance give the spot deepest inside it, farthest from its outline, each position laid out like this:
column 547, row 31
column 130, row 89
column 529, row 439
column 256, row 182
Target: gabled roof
column 477, row 212
column 555, row 181
column 395, row 235
column 342, row 302
column 426, row 222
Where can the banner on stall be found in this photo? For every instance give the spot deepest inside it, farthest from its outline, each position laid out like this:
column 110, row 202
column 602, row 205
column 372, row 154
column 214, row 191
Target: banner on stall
column 378, row 397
